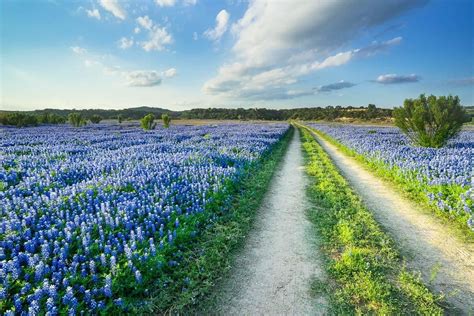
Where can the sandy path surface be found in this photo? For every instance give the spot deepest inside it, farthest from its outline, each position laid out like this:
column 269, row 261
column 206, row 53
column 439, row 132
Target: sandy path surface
column 423, row 240
column 273, row 272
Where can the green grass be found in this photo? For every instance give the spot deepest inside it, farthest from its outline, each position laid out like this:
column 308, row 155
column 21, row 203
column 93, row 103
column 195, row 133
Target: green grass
column 207, row 259
column 414, row 190
column 367, row 274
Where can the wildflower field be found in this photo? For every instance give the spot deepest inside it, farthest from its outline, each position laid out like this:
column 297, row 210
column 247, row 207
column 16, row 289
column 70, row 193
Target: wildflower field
column 438, row 177
column 94, row 218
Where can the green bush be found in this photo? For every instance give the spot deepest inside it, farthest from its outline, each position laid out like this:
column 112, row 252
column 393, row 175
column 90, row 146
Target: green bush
column 431, row 121
column 18, row 119
column 120, row 118
column 76, row 119
column 166, row 120
column 148, row 122
column 95, row 118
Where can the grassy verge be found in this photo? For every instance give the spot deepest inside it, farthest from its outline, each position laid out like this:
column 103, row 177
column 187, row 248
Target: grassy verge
column 367, row 271
column 412, row 189
column 209, row 257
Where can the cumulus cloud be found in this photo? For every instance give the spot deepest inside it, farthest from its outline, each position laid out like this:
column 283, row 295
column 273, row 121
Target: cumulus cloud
column 132, row 78
column 158, row 37
column 222, row 20
column 394, row 78
column 170, row 73
column 307, row 41
column 335, row 86
column 143, row 78
column 165, row 3
column 170, row 3
column 145, row 22
column 94, row 13
column 114, row 7
column 136, row 30
column 125, row 43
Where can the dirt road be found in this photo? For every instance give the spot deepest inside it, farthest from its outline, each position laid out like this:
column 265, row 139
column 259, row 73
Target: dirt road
column 273, row 272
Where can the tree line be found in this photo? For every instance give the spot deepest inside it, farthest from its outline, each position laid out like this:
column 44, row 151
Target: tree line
column 54, row 116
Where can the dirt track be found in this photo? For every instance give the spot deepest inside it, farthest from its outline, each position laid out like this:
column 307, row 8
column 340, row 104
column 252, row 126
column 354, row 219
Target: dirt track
column 273, row 272
column 422, row 239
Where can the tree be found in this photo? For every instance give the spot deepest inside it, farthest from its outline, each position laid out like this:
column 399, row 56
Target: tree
column 96, row 118
column 431, row 121
column 148, row 122
column 371, row 111
column 166, row 120
column 120, row 118
column 76, row 119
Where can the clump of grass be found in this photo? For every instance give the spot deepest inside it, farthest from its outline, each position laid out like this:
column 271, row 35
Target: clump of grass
column 363, row 261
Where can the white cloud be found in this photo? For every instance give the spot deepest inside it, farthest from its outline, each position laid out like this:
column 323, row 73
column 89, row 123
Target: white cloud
column 145, row 22
column 195, row 36
column 125, row 43
column 222, row 20
column 78, row 50
column 394, row 79
column 143, row 78
column 294, row 38
column 136, row 30
column 158, row 39
column 170, row 3
column 165, row 3
column 113, row 6
column 170, row 73
column 132, row 78
column 94, row 13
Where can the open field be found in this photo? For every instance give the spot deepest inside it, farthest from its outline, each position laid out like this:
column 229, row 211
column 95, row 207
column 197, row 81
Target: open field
column 219, row 216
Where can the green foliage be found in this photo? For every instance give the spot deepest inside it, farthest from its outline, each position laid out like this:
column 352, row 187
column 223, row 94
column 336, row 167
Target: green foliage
column 95, row 118
column 431, row 121
column 51, row 118
column 363, row 261
column 76, row 119
column 120, row 118
column 166, row 120
column 19, row 119
column 148, row 122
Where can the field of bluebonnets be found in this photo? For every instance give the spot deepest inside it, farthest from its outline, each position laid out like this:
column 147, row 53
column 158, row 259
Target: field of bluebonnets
column 90, row 215
column 444, row 175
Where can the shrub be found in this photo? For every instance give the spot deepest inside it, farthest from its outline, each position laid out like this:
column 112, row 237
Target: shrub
column 19, row 119
column 430, row 121
column 76, row 119
column 120, row 118
column 166, row 120
column 148, row 122
column 96, row 118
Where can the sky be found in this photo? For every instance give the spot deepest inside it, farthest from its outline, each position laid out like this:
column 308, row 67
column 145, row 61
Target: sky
column 182, row 54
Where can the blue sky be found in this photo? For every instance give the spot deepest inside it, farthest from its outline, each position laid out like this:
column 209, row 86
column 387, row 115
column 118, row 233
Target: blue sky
column 182, row 54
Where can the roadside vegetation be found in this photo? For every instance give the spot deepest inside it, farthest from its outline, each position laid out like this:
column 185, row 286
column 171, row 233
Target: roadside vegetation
column 448, row 202
column 367, row 271
column 431, row 121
